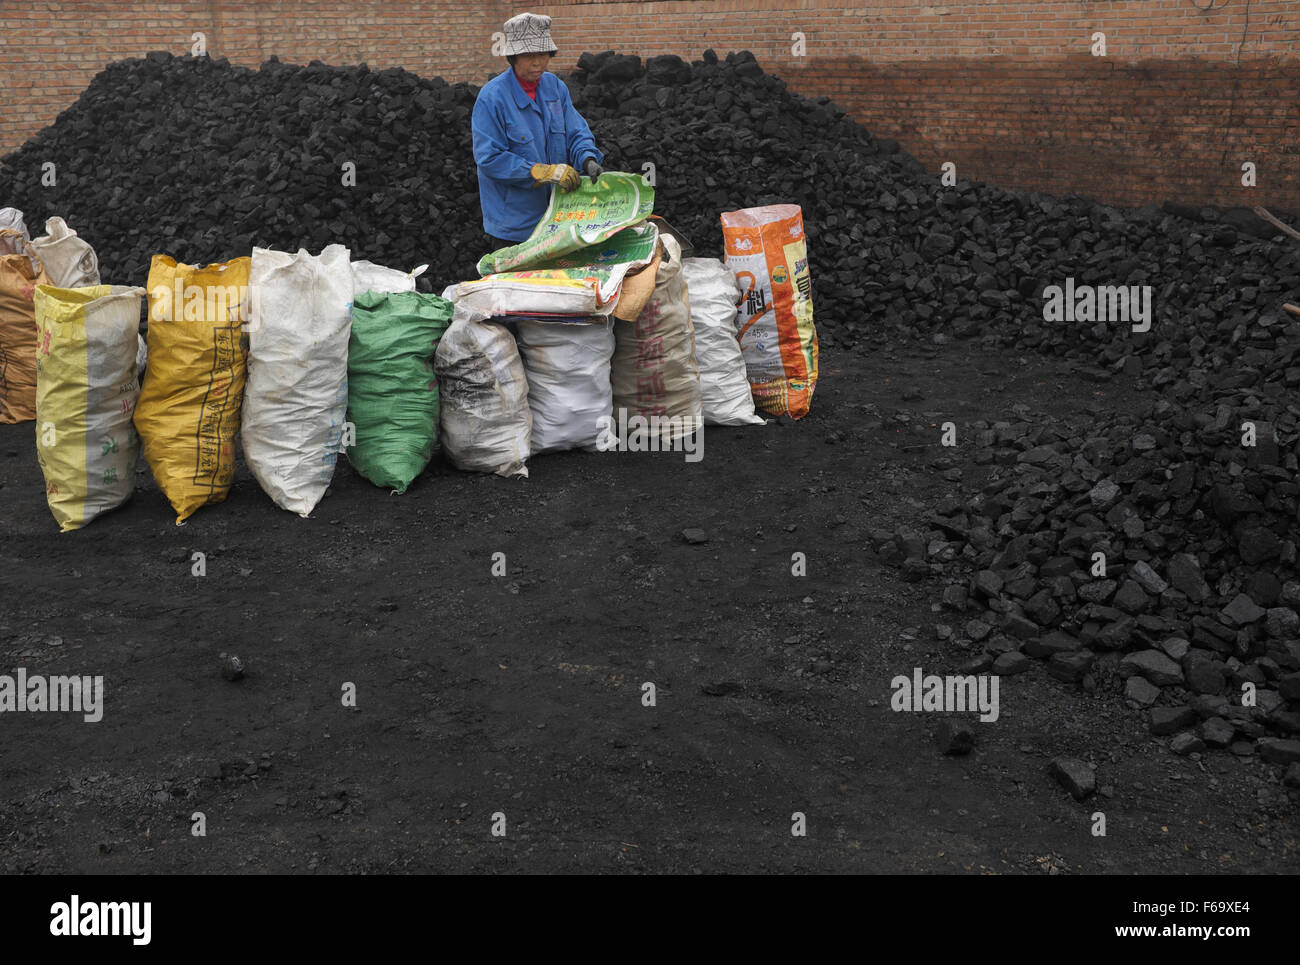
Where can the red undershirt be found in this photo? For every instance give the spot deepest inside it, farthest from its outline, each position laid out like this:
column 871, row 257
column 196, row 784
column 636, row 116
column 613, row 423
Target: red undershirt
column 529, row 89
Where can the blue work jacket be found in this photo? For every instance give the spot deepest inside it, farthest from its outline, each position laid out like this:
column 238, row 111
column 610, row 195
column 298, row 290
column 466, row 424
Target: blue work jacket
column 512, row 132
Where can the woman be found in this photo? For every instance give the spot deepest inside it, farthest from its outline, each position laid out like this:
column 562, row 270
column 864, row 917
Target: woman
column 527, row 135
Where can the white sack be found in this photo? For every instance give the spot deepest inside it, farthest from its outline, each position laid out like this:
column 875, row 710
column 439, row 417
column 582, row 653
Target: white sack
column 70, row 262
column 485, row 423
column 296, row 397
column 714, row 293
column 569, row 388
column 508, row 294
column 369, row 277
column 11, row 219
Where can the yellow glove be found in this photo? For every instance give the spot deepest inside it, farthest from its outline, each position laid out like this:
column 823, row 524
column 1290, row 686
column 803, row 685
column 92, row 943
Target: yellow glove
column 563, row 175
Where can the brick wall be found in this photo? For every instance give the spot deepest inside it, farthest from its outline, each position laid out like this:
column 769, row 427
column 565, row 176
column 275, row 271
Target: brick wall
column 1007, row 90
column 50, row 50
column 1010, row 92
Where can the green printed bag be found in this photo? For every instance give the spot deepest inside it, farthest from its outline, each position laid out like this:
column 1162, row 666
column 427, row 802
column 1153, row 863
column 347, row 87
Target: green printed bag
column 576, row 219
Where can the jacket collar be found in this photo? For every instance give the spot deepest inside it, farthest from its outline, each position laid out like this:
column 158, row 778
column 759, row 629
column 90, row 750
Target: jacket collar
column 522, row 100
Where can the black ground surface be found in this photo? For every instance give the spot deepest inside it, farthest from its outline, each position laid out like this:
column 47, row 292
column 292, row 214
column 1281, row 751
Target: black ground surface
column 522, row 694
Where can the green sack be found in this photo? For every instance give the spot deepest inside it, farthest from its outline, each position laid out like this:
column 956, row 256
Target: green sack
column 392, row 394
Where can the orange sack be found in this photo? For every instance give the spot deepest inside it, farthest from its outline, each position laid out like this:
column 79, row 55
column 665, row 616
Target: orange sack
column 767, row 253
column 20, row 273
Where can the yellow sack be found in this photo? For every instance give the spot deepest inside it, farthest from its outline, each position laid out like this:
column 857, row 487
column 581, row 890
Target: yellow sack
column 86, row 391
column 194, row 386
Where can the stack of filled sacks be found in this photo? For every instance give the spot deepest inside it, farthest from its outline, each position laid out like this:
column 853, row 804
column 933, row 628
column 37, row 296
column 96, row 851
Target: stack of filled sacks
column 87, row 380
column 595, row 303
column 68, row 349
column 298, row 357
column 68, row 359
column 58, row 259
column 302, row 357
column 559, row 292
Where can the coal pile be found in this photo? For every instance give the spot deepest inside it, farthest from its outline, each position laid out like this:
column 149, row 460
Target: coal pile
column 895, row 253
column 204, row 160
column 1153, row 555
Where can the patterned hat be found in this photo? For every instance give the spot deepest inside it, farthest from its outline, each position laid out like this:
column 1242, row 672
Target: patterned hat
column 529, row 33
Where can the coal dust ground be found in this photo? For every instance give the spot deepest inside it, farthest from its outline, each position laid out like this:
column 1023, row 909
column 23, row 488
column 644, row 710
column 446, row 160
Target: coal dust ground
column 521, row 695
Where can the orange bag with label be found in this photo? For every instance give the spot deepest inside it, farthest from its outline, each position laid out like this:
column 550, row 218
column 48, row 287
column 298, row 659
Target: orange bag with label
column 767, row 253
